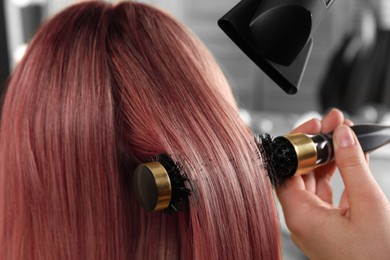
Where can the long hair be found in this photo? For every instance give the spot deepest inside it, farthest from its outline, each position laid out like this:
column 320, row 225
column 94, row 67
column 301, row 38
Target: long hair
column 101, row 89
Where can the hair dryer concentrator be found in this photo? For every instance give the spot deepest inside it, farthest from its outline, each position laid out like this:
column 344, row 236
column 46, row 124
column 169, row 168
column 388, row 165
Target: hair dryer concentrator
column 276, row 35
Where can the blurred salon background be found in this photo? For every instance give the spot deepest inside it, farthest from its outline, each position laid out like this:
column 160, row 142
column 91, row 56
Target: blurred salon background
column 349, row 67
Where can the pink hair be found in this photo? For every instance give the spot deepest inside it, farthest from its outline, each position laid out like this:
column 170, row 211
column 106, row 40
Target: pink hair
column 101, row 89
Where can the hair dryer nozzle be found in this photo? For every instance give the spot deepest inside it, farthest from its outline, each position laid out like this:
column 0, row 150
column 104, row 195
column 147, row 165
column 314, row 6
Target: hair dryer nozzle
column 276, row 35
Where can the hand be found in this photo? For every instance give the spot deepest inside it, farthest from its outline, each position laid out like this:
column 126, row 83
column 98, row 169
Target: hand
column 359, row 228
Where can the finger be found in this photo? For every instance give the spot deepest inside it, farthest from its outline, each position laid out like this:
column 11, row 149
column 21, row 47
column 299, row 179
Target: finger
column 348, row 122
column 358, row 181
column 334, row 118
column 324, row 188
column 312, row 126
column 310, row 182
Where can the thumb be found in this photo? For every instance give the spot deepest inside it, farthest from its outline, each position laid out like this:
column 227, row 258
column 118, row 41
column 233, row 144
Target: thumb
column 359, row 183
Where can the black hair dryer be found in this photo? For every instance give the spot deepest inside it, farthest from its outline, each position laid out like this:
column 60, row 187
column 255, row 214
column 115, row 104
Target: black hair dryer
column 276, row 35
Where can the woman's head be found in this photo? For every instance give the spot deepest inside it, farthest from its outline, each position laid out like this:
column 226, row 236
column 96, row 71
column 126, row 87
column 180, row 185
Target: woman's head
column 103, row 88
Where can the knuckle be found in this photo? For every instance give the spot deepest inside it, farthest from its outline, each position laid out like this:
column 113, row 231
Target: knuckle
column 351, row 161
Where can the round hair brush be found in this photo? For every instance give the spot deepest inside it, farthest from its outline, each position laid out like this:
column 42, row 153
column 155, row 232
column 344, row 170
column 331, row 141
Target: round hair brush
column 298, row 154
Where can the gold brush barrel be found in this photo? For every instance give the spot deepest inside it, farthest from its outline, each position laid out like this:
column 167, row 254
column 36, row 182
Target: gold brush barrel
column 306, row 152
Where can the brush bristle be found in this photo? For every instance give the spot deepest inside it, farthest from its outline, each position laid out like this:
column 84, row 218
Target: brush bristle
column 279, row 158
column 180, row 193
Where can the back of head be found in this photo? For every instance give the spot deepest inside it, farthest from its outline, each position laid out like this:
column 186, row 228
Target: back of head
column 103, row 88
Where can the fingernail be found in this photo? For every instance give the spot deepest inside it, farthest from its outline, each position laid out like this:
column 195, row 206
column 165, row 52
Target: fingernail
column 344, row 137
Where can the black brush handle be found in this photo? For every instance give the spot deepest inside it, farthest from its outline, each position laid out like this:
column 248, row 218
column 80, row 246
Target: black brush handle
column 372, row 136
